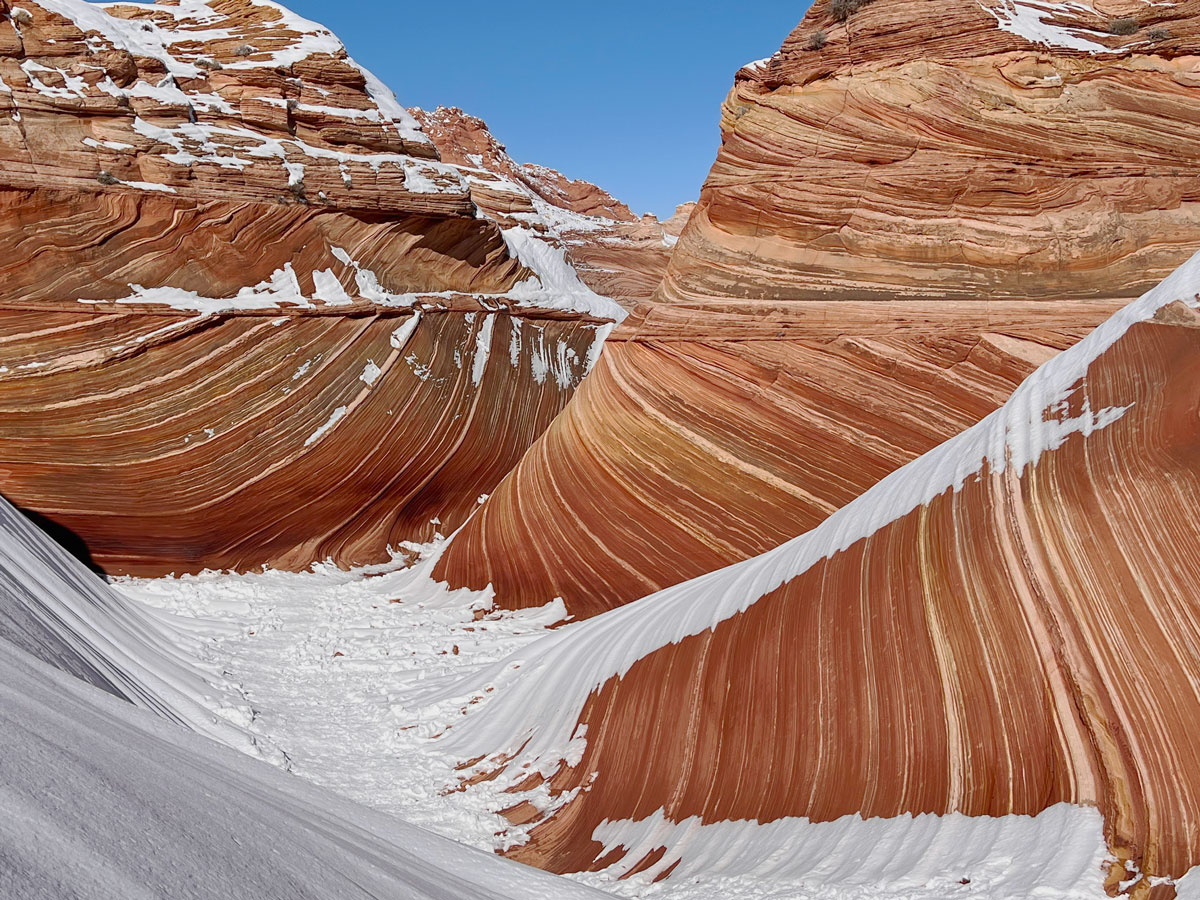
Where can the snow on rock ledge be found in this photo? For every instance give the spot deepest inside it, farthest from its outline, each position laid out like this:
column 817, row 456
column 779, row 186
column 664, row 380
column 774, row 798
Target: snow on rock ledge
column 613, row 251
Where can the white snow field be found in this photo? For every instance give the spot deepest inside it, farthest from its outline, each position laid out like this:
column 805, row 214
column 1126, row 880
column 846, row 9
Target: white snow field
column 103, row 800
column 109, row 787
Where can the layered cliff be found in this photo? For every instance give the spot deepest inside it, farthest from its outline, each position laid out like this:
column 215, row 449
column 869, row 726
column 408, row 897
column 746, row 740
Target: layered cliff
column 1005, row 626
column 914, row 205
column 246, row 315
column 616, row 253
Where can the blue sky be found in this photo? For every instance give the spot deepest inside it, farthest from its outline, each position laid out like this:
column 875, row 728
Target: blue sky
column 624, row 93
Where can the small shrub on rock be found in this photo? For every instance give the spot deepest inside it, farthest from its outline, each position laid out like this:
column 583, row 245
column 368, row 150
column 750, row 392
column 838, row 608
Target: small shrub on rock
column 1123, row 26
column 816, row 40
column 843, row 9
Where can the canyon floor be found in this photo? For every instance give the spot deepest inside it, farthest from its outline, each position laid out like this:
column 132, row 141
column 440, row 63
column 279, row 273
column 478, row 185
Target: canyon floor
column 338, row 667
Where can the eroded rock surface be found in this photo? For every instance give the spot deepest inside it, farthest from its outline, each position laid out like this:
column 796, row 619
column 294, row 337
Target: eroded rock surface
column 912, row 209
column 1001, row 627
column 246, row 314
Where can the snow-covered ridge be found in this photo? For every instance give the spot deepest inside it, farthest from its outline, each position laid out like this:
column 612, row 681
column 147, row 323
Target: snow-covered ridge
column 195, row 21
column 187, row 39
column 259, row 104
column 560, row 672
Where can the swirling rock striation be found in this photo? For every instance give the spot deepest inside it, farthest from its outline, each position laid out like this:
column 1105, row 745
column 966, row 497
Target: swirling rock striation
column 911, row 209
column 247, row 316
column 1003, row 626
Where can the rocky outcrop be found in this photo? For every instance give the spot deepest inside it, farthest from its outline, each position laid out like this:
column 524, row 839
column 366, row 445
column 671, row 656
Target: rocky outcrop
column 615, row 252
column 246, row 315
column 1002, row 627
column 914, row 206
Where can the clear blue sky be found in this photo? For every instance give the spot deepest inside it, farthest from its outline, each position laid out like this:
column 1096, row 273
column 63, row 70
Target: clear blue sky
column 624, row 93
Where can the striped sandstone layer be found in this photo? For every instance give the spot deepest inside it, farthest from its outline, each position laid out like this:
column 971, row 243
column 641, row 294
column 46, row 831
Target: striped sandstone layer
column 903, row 221
column 247, row 316
column 1006, row 625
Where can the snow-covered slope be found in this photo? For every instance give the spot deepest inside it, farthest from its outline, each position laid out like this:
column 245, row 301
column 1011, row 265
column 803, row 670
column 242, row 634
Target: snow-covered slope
column 110, row 786
column 54, row 608
column 104, row 801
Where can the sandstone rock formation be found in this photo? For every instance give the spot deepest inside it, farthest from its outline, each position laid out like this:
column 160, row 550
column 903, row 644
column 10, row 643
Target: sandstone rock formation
column 616, row 253
column 246, row 315
column 912, row 208
column 1006, row 625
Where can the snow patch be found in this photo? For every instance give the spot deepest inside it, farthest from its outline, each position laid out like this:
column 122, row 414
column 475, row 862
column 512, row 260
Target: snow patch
column 1027, row 19
column 557, row 285
column 336, row 416
column 483, row 349
column 1059, row 853
column 370, row 373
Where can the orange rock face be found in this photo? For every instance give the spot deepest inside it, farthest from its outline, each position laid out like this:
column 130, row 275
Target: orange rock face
column 997, row 628
column 911, row 209
column 246, row 314
column 616, row 253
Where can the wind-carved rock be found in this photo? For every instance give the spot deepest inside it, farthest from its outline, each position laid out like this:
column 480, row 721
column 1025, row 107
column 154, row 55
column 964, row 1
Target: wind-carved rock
column 1002, row 628
column 913, row 207
column 246, row 315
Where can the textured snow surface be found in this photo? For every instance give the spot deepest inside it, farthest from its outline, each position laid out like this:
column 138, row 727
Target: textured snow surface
column 102, row 800
column 54, row 608
column 333, row 661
